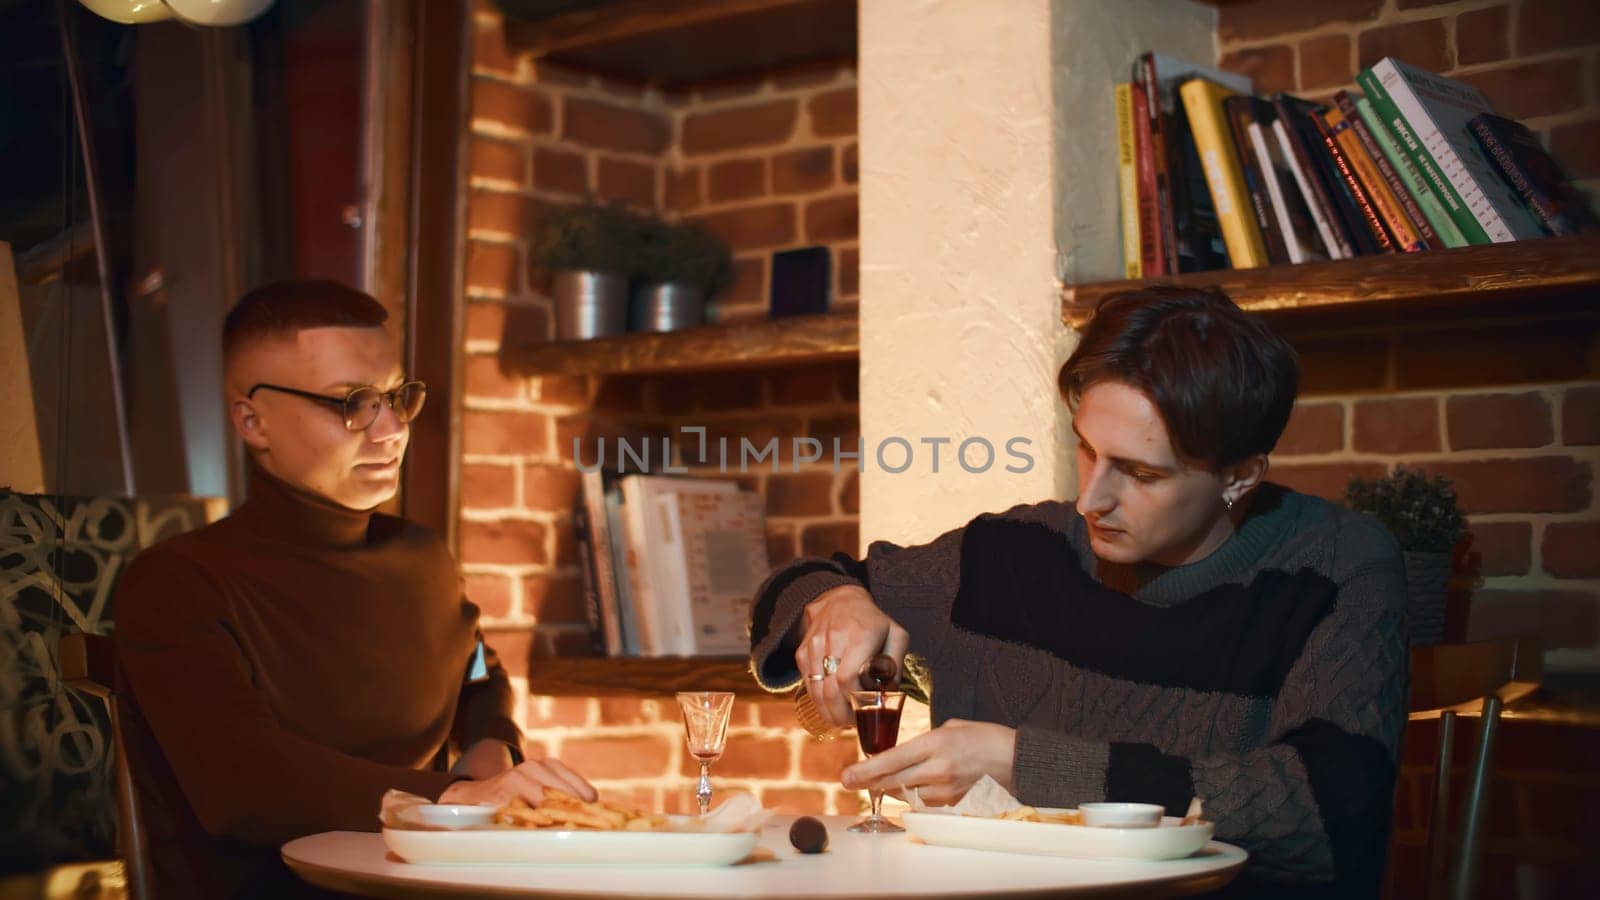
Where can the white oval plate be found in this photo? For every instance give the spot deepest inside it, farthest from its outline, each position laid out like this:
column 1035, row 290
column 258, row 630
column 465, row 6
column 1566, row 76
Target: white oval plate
column 530, row 846
column 1169, row 840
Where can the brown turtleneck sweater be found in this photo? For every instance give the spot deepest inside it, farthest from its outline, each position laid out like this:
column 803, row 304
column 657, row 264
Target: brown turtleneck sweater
column 284, row 667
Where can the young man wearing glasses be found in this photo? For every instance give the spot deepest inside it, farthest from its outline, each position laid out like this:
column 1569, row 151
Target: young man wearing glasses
column 289, row 664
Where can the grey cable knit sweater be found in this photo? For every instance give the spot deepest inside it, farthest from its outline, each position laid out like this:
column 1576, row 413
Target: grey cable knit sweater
column 1269, row 678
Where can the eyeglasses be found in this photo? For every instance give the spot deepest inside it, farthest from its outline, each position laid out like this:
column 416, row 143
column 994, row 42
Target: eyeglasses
column 360, row 407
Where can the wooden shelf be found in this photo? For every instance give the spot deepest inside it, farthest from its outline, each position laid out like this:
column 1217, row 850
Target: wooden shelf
column 769, row 342
column 599, row 676
column 1478, row 278
column 673, row 43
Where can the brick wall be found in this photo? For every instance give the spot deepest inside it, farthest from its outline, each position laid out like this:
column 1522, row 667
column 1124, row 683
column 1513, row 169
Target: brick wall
column 768, row 162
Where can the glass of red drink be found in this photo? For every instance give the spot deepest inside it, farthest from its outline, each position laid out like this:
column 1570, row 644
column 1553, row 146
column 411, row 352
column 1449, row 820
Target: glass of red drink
column 877, row 728
column 705, row 730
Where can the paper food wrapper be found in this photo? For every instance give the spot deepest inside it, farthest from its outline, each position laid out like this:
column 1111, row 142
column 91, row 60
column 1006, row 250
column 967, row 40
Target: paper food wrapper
column 988, row 800
column 739, row 812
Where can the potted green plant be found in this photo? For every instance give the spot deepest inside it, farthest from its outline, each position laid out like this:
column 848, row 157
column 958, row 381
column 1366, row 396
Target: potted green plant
column 1427, row 522
column 680, row 268
column 590, row 249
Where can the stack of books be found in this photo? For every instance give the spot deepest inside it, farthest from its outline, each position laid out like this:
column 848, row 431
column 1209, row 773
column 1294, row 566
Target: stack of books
column 1212, row 177
column 670, row 564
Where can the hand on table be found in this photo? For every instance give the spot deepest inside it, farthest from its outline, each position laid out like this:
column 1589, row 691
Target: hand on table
column 484, row 759
column 845, row 624
column 941, row 764
column 526, row 782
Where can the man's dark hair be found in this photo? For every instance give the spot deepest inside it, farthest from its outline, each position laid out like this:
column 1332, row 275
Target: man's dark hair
column 284, row 307
column 1223, row 381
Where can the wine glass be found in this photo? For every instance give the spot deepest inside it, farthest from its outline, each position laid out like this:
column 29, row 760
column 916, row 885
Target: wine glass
column 705, row 730
column 877, row 728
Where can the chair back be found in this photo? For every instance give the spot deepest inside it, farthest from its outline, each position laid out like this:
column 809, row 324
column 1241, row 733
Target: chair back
column 1447, row 680
column 89, row 664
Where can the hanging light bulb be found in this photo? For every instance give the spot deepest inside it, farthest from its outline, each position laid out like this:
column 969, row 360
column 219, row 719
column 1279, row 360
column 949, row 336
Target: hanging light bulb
column 194, row 12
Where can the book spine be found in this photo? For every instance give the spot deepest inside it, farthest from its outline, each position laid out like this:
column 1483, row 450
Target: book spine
column 1542, row 204
column 1152, row 241
column 1280, row 205
column 1390, row 178
column 1415, row 131
column 1323, row 212
column 586, row 569
column 1220, row 161
column 641, row 593
column 1236, row 110
column 1363, row 203
column 601, row 542
column 1159, row 160
column 1383, row 201
column 1439, row 217
column 1128, row 184
column 1344, row 203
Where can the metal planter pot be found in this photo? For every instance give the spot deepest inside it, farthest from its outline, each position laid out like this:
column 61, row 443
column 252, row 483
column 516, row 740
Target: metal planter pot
column 590, row 304
column 667, row 307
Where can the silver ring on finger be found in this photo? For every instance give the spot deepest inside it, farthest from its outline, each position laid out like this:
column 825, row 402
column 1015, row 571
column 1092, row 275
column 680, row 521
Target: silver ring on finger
column 830, row 665
column 816, row 678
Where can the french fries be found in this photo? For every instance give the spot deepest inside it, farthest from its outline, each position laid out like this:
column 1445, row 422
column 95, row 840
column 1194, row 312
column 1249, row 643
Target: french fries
column 560, row 811
column 1029, row 814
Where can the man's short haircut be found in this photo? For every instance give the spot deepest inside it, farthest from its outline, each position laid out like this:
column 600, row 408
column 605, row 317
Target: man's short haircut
column 285, row 307
column 1223, row 381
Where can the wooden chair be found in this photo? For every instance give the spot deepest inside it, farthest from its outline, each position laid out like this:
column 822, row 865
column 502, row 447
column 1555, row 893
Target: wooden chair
column 88, row 663
column 1446, row 680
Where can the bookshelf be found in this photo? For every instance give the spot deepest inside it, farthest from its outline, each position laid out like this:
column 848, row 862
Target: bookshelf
column 600, row 676
column 768, row 342
column 1495, row 279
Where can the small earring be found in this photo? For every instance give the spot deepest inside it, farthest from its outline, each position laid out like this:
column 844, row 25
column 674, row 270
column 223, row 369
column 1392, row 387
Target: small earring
column 1228, row 502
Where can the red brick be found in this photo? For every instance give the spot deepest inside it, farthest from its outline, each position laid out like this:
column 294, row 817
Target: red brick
column 546, row 72
column 756, row 125
column 490, row 593
column 489, row 51
column 503, row 433
column 485, row 321
column 1482, row 36
column 1547, row 484
column 524, row 324
column 849, row 167
column 1422, row 44
column 1532, row 89
column 563, row 390
column 850, row 384
column 1269, row 68
column 832, row 219
column 796, row 801
column 824, row 760
column 833, row 114
column 778, row 713
column 1313, row 428
column 1576, row 148
column 510, row 214
column 1342, row 365
column 1571, row 549
column 1325, row 480
column 606, row 126
column 1325, row 62
column 1267, row 18
column 1580, row 416
column 511, row 106
column 564, row 640
column 802, row 171
column 846, row 430
column 713, row 392
column 499, row 160
column 639, row 756
column 1559, row 618
column 807, row 74
column 781, row 546
column 629, row 711
column 1399, row 425
column 594, row 432
column 828, row 538
column 737, row 179
column 492, row 266
column 622, row 86
column 1502, row 548
column 1544, row 25
column 800, row 494
column 1508, row 354
column 555, row 712
column 803, row 387
column 1492, row 421
column 553, row 598
column 727, row 88
column 748, row 757
column 753, row 227
column 560, row 171
column 758, row 432
column 749, row 282
column 514, row 648
column 682, row 190
column 549, row 488
column 510, row 543
column 627, row 182
column 488, row 485
column 849, row 803
column 485, row 379
column 850, row 494
column 621, row 393
column 849, row 269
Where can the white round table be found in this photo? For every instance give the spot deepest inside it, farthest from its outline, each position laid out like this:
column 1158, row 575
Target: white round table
column 866, row 866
